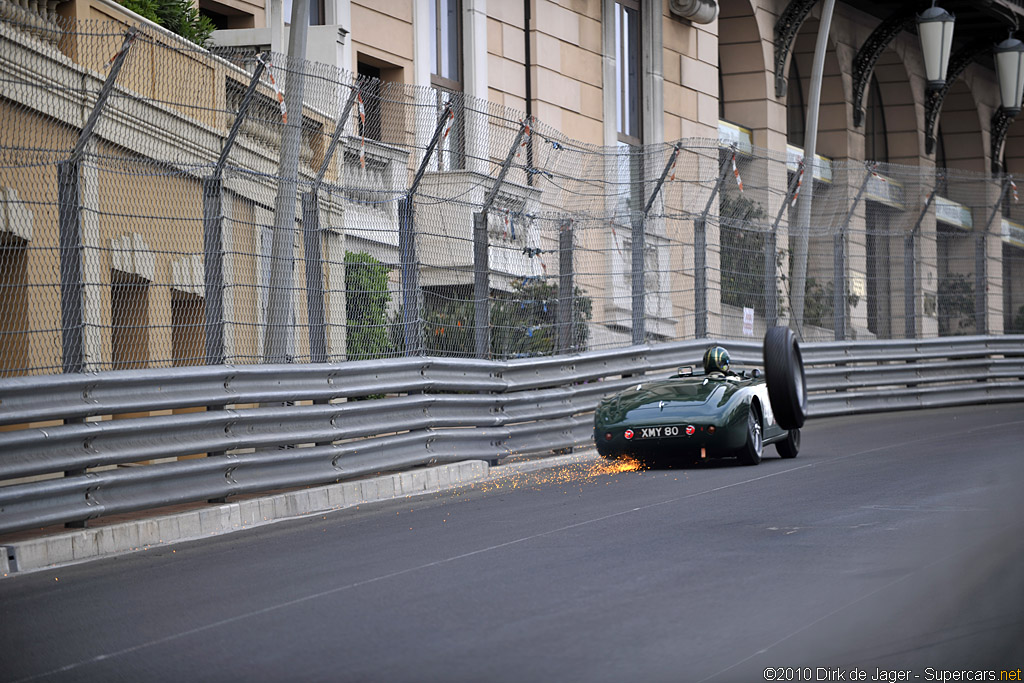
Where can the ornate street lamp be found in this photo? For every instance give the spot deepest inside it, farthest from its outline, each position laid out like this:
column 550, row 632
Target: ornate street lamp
column 1010, row 72
column 935, row 28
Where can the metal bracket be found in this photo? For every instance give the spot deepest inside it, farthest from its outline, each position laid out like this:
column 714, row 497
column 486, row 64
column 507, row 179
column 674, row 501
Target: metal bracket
column 481, row 264
column 933, row 101
column 871, row 50
column 339, row 128
column 407, row 246
column 786, row 29
column 243, row 110
column 700, row 288
column 909, row 270
column 1001, row 121
column 839, row 262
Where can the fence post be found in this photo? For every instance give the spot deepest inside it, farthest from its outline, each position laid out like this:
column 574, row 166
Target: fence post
column 71, row 277
column 213, row 268
column 910, row 272
column 313, row 255
column 69, row 218
column 771, row 294
column 981, row 263
column 213, row 232
column 637, row 303
column 566, row 289
column 407, row 246
column 839, row 264
column 700, row 261
column 481, row 264
column 481, row 287
column 313, row 244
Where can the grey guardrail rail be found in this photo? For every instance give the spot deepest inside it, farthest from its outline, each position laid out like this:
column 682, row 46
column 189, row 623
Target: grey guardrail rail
column 80, row 446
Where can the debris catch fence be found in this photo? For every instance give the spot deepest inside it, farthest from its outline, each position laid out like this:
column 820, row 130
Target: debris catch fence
column 165, row 206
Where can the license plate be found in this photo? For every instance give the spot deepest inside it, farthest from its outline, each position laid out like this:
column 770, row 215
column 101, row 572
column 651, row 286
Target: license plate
column 666, row 431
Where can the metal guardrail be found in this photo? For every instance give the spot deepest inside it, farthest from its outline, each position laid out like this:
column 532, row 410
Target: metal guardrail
column 77, row 442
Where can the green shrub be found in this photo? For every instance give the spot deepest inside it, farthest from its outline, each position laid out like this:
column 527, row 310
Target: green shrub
column 523, row 321
column 366, row 304
column 178, row 16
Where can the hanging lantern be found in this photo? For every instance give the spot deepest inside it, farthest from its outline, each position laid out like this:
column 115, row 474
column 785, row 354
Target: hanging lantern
column 1010, row 73
column 935, row 28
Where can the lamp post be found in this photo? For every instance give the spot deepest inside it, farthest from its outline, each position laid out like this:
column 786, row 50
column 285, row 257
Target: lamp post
column 1010, row 72
column 935, row 28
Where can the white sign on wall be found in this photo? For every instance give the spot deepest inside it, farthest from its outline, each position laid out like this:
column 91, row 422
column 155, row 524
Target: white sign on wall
column 748, row 322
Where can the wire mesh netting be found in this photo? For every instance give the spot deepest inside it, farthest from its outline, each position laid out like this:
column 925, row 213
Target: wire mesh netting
column 163, row 205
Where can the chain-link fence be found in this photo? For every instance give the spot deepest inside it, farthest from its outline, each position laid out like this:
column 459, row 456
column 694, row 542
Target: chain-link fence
column 163, row 206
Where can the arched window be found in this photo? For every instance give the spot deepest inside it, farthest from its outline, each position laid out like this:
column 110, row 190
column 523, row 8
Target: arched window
column 876, row 145
column 795, row 107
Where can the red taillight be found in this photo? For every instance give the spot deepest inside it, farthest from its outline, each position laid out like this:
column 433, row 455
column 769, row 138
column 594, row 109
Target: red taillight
column 711, row 429
column 608, row 436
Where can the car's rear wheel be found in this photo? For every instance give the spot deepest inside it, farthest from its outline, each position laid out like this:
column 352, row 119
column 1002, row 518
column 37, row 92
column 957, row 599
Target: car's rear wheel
column 750, row 454
column 790, row 446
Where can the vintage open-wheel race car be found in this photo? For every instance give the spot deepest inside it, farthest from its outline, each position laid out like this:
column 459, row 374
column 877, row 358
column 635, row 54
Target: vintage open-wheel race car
column 717, row 413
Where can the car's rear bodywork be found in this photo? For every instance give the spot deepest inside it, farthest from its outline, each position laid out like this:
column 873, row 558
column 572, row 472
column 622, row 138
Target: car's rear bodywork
column 687, row 416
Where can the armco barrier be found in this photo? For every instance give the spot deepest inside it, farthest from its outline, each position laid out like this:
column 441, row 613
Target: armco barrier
column 274, row 426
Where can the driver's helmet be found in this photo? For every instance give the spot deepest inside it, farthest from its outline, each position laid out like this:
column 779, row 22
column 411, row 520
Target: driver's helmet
column 716, row 359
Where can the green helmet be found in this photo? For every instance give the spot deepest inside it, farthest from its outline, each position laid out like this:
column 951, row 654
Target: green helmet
column 716, row 359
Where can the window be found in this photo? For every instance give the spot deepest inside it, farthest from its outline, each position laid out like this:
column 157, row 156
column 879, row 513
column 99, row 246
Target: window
column 129, row 310
column 876, row 146
column 188, row 332
column 14, row 303
column 446, row 78
column 795, row 108
column 628, row 94
column 446, row 48
column 317, row 15
column 370, row 93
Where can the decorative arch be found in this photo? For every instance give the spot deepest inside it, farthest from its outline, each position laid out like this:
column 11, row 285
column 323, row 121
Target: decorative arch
column 1013, row 149
column 962, row 129
column 786, row 29
column 742, row 65
column 872, row 50
column 960, row 60
column 899, row 107
column 834, row 121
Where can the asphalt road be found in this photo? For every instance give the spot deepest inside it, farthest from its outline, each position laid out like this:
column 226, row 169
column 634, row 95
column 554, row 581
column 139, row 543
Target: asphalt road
column 893, row 543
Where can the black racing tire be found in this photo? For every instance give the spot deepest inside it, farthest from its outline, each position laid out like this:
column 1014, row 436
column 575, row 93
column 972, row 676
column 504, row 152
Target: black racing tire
column 784, row 375
column 790, row 446
column 750, row 453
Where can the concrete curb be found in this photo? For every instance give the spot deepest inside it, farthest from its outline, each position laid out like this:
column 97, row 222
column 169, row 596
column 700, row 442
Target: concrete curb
column 74, row 547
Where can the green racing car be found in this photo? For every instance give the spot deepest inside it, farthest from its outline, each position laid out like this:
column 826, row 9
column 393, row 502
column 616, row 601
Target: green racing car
column 690, row 416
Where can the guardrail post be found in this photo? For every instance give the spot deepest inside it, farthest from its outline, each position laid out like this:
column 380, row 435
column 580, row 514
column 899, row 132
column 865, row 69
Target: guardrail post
column 566, row 289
